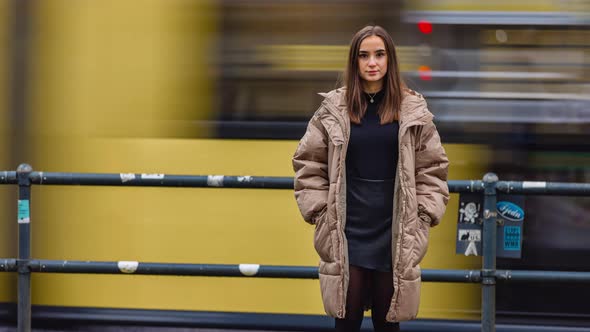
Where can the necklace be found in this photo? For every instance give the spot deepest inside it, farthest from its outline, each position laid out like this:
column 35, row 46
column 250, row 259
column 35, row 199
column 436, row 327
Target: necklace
column 373, row 96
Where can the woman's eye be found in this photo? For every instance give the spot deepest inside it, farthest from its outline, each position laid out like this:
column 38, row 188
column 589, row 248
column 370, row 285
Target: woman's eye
column 362, row 56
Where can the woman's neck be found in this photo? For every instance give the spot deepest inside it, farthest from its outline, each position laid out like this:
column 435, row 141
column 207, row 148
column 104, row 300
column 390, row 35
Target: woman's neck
column 372, row 87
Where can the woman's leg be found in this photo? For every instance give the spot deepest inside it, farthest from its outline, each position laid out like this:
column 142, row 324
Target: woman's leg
column 357, row 289
column 381, row 294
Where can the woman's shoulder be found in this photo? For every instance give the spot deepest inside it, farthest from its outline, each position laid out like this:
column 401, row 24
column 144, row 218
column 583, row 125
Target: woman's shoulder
column 412, row 98
column 335, row 95
column 336, row 98
column 412, row 94
column 414, row 106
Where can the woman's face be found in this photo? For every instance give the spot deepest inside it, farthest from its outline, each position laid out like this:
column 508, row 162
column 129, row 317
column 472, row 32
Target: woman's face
column 372, row 60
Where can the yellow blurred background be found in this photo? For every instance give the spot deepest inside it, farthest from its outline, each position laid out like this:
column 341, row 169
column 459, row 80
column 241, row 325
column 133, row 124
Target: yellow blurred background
column 176, row 86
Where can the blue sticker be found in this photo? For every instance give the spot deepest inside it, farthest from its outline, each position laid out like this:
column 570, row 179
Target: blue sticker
column 24, row 213
column 511, row 238
column 510, row 211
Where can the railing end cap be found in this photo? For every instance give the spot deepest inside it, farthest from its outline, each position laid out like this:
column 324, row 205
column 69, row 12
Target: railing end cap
column 24, row 168
column 490, row 178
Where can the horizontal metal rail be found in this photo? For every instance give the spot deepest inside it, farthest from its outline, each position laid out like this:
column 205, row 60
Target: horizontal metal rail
column 268, row 271
column 175, row 269
column 8, row 177
column 161, row 180
column 269, row 182
column 204, row 270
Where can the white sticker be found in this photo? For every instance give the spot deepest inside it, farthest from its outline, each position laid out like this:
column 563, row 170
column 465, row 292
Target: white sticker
column 469, row 235
column 244, row 178
column 125, row 177
column 534, row 184
column 127, row 266
column 215, row 180
column 152, row 176
column 469, row 212
column 471, row 249
column 249, row 269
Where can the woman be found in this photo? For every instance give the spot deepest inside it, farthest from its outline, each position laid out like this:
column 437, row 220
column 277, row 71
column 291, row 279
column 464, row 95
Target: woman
column 371, row 176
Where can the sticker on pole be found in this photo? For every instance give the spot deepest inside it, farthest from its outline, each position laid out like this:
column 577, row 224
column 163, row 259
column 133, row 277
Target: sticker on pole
column 510, row 211
column 469, row 212
column 511, row 238
column 469, row 229
column 471, row 249
column 24, row 214
column 512, row 216
column 469, row 235
column 508, row 216
column 126, row 177
column 152, row 176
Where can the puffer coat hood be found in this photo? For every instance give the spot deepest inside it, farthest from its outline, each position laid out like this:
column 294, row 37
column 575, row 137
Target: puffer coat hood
column 420, row 197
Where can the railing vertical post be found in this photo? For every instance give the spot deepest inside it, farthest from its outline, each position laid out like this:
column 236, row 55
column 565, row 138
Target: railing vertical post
column 488, row 282
column 24, row 248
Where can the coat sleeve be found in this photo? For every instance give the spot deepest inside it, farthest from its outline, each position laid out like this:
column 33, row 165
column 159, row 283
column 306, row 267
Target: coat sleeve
column 310, row 164
column 432, row 191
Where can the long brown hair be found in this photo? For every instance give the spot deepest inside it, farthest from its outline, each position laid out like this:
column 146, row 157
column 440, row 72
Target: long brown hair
column 392, row 83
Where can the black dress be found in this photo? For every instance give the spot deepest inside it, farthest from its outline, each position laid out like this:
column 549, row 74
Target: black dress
column 371, row 162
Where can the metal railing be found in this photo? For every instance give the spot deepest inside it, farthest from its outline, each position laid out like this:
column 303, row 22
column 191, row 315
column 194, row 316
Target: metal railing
column 24, row 265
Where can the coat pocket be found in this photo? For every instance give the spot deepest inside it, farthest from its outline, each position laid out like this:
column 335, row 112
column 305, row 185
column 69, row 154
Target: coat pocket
column 421, row 241
column 322, row 241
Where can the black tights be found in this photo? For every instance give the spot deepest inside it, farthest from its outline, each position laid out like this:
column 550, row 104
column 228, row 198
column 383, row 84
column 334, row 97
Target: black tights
column 365, row 284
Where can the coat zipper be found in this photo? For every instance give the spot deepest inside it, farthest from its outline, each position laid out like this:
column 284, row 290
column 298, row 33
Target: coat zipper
column 399, row 176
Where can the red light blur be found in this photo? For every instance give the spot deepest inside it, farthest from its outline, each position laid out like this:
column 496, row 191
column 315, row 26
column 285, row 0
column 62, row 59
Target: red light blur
column 425, row 27
column 425, row 73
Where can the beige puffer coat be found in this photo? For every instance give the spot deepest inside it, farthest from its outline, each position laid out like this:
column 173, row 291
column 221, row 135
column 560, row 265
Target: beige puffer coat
column 420, row 198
